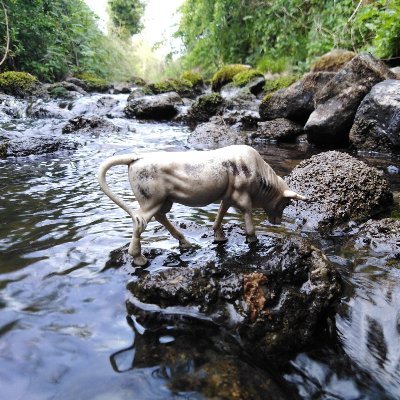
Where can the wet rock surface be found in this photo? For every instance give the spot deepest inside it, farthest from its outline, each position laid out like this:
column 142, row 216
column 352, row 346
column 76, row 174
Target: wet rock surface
column 377, row 122
column 205, row 107
column 337, row 102
column 157, row 107
column 380, row 236
column 33, row 146
column 297, row 101
column 215, row 133
column 273, row 294
column 280, row 129
column 340, row 189
column 89, row 124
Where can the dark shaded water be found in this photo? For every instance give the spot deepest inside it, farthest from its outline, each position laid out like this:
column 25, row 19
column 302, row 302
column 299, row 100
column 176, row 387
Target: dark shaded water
column 63, row 326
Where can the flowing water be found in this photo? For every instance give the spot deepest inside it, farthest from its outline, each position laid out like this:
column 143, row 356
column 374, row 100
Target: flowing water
column 63, row 319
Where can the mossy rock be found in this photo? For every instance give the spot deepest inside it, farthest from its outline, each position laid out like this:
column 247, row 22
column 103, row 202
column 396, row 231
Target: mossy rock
column 17, row 83
column 94, row 83
column 137, row 80
column 282, row 82
column 333, row 61
column 3, row 149
column 181, row 86
column 205, row 107
column 194, row 77
column 226, row 74
column 243, row 78
column 60, row 92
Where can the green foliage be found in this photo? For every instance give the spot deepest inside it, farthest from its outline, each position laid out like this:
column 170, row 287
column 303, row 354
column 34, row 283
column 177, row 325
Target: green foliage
column 194, row 77
column 217, row 32
column 125, row 17
column 272, row 85
column 243, row 78
column 17, row 83
column 52, row 39
column 226, row 74
column 273, row 65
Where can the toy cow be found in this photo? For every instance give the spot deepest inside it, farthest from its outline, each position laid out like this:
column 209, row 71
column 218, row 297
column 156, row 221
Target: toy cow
column 235, row 175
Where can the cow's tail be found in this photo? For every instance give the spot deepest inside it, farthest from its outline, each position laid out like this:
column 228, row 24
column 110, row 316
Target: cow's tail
column 124, row 159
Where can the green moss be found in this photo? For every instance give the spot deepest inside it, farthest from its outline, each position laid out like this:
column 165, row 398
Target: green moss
column 225, row 75
column 93, row 82
column 243, row 78
column 333, row 61
column 181, row 86
column 194, row 77
column 205, row 107
column 17, row 83
column 267, row 97
column 60, row 92
column 282, row 82
column 3, row 149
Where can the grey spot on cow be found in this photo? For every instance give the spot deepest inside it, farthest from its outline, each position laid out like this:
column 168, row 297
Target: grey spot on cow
column 245, row 170
column 231, row 166
column 147, row 173
column 144, row 192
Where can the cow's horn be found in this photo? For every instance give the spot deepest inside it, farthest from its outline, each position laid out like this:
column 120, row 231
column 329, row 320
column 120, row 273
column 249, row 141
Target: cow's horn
column 290, row 194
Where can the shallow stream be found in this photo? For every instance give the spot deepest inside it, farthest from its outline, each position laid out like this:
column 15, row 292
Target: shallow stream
column 63, row 319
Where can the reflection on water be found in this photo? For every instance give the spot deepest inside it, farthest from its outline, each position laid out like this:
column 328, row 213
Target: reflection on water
column 63, row 314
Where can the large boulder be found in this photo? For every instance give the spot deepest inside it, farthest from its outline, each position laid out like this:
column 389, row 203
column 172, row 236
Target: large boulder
column 340, row 189
column 158, row 107
column 33, row 146
column 337, row 102
column 280, row 129
column 297, row 101
column 205, row 107
column 232, row 127
column 275, row 294
column 377, row 122
column 91, row 124
column 43, row 109
column 213, row 134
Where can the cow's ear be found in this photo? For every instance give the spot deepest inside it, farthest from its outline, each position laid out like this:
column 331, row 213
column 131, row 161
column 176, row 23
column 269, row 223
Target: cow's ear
column 290, row 194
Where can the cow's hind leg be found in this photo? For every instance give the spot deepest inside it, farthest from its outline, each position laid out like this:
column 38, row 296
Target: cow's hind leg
column 219, row 236
column 140, row 220
column 161, row 217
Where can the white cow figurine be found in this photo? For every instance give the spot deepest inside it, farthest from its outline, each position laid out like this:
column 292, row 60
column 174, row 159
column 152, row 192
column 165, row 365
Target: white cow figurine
column 235, row 175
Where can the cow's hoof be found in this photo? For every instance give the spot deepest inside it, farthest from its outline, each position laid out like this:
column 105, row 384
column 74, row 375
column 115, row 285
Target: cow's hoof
column 140, row 260
column 184, row 244
column 251, row 239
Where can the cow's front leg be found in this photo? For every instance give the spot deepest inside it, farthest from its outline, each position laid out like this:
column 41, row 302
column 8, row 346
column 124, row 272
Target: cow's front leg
column 243, row 202
column 249, row 227
column 183, row 242
column 219, row 235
